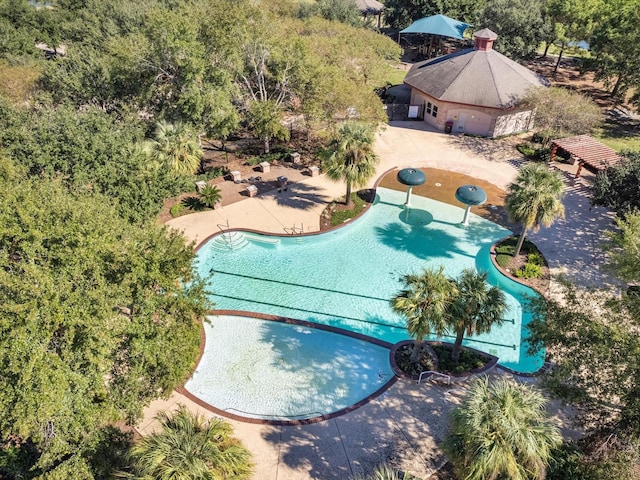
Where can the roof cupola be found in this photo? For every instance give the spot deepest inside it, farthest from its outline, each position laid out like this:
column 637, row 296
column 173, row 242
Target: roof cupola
column 484, row 39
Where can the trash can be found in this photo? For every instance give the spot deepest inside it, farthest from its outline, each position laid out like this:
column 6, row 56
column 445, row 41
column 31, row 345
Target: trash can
column 448, row 126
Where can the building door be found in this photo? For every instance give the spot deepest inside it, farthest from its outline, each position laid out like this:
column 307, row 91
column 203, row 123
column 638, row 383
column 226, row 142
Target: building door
column 458, row 127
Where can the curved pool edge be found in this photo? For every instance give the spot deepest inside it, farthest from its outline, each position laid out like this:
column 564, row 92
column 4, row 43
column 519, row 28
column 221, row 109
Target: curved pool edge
column 308, row 234
column 290, row 321
column 493, row 254
column 501, row 271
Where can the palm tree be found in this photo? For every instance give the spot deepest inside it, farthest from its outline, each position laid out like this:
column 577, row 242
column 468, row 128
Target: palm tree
column 535, row 198
column 501, row 431
column 209, row 195
column 350, row 156
column 385, row 472
column 188, row 447
column 175, row 146
column 475, row 308
column 425, row 302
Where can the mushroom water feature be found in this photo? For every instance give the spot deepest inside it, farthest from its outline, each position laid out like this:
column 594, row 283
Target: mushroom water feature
column 411, row 177
column 470, row 195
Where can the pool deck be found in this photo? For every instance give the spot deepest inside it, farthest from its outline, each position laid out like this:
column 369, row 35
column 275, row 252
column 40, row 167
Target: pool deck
column 403, row 426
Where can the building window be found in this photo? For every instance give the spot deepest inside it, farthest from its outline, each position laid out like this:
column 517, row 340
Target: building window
column 431, row 109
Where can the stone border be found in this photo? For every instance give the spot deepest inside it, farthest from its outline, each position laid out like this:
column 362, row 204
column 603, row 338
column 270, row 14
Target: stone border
column 290, row 321
column 457, row 377
column 493, row 255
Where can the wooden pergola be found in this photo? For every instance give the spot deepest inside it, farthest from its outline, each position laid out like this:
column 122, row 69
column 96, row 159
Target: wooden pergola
column 586, row 151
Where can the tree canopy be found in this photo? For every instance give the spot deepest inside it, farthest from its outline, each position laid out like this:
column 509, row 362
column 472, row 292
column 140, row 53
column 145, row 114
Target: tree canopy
column 520, row 25
column 89, row 151
column 401, row 13
column 617, row 187
column 613, row 46
column 350, row 156
column 592, row 340
column 535, row 198
column 98, row 316
column 187, row 447
column 425, row 302
column 562, row 113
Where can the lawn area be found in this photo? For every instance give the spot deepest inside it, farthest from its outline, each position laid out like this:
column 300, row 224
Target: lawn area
column 628, row 140
column 395, row 76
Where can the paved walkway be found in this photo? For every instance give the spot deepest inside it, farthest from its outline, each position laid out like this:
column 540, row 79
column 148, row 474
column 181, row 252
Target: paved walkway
column 404, row 425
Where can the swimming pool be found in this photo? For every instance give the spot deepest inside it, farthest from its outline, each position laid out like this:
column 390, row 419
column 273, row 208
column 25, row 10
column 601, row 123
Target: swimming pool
column 346, row 277
column 275, row 371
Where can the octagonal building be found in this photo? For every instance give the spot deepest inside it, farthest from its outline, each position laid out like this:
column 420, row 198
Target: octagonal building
column 474, row 91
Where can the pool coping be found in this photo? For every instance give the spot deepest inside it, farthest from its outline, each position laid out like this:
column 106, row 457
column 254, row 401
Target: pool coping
column 290, row 321
column 303, row 234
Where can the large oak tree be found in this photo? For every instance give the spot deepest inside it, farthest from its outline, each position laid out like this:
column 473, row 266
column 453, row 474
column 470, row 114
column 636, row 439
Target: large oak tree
column 97, row 317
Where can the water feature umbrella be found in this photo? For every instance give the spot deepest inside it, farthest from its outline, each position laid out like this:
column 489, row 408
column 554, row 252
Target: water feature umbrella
column 411, row 177
column 470, row 195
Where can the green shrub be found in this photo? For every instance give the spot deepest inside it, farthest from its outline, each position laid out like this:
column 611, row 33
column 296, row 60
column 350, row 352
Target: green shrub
column 542, row 154
column 276, row 155
column 503, row 260
column 526, row 149
column 530, row 270
column 505, row 251
column 253, row 161
column 212, row 173
column 177, row 209
column 468, row 360
column 535, row 258
column 209, row 195
column 341, row 216
column 506, row 248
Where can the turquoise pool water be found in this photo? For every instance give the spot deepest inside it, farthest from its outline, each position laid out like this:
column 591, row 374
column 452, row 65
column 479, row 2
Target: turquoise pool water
column 346, row 277
column 276, row 371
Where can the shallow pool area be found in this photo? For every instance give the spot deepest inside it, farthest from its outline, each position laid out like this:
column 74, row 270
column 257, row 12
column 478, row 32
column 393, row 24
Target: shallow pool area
column 346, row 277
column 271, row 370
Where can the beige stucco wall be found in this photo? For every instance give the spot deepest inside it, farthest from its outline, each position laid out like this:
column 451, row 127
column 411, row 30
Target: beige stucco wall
column 488, row 122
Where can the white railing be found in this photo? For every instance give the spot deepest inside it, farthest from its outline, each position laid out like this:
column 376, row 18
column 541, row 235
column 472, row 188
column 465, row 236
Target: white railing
column 431, row 373
column 294, row 230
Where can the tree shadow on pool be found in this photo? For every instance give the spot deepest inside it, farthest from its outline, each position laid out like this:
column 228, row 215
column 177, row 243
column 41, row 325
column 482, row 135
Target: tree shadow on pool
column 332, row 371
column 418, row 233
column 418, row 240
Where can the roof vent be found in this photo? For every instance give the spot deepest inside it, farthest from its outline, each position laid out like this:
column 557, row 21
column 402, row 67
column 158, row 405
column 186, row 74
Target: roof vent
column 484, row 39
